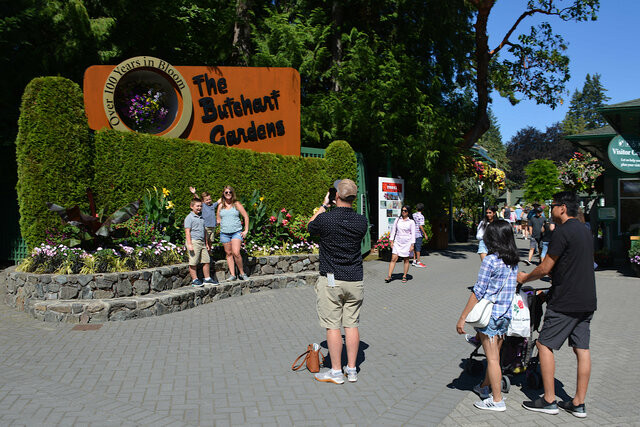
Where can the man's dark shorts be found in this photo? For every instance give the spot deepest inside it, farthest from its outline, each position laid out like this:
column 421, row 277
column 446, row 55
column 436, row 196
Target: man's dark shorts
column 535, row 243
column 417, row 247
column 558, row 327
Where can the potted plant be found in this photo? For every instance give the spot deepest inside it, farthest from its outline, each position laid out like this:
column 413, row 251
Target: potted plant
column 383, row 246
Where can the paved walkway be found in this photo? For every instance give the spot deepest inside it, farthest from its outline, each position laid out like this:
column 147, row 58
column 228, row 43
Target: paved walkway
column 228, row 363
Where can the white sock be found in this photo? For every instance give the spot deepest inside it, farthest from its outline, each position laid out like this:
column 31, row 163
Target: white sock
column 335, row 372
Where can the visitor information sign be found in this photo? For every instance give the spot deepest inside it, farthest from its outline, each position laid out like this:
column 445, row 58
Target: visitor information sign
column 623, row 156
column 390, row 199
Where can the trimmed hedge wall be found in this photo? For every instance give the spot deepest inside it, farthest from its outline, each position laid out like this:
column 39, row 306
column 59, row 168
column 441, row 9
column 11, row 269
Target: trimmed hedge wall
column 54, row 154
column 127, row 163
column 58, row 160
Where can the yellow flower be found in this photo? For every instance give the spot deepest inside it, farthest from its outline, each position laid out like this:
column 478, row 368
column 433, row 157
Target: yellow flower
column 169, row 205
column 262, row 198
column 165, row 192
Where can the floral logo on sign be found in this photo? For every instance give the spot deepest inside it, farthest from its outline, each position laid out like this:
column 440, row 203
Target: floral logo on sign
column 142, row 107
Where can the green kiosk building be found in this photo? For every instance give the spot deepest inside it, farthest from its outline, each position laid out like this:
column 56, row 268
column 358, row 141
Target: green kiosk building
column 618, row 147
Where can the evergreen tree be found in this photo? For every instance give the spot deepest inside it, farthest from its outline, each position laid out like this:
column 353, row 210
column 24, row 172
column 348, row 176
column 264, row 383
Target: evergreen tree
column 542, row 180
column 583, row 110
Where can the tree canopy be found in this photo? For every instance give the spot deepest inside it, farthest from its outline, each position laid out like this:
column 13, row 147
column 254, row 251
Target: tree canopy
column 530, row 143
column 583, row 110
column 400, row 80
column 542, row 180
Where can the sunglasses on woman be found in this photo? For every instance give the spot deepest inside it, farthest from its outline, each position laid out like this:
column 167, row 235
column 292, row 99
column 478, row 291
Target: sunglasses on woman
column 228, row 192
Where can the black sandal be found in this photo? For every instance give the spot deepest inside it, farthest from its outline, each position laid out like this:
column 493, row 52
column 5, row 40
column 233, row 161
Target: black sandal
column 387, row 279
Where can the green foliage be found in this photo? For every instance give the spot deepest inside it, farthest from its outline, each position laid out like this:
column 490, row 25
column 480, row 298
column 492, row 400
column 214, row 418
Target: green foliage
column 583, row 110
column 529, row 144
column 128, row 163
column 54, row 154
column 89, row 231
column 542, row 181
column 160, row 213
column 341, row 161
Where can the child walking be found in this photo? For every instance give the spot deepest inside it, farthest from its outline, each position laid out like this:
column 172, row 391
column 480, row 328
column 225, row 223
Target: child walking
column 497, row 283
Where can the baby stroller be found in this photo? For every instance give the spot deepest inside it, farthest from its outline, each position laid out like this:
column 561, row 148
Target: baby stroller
column 517, row 354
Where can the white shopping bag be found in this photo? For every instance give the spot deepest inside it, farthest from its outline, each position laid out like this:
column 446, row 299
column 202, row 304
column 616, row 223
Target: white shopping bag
column 520, row 325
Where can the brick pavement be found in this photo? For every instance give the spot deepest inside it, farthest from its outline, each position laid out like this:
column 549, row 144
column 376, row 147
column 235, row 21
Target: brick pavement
column 228, row 363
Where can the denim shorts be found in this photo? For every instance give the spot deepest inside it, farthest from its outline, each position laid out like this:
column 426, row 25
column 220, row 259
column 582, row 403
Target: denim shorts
column 482, row 248
column 227, row 237
column 496, row 327
column 418, row 245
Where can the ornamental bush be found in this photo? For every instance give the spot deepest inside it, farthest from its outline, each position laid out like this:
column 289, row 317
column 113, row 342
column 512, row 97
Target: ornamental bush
column 54, row 154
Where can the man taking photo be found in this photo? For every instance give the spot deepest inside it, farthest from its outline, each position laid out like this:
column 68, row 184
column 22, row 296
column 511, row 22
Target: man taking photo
column 339, row 290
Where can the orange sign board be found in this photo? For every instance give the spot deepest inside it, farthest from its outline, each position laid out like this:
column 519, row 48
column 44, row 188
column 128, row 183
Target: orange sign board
column 243, row 107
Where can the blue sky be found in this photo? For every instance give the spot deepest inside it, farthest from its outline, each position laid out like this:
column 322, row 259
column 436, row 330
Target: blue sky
column 608, row 46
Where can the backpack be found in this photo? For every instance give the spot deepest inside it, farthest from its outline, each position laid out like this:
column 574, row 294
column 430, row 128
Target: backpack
column 507, row 213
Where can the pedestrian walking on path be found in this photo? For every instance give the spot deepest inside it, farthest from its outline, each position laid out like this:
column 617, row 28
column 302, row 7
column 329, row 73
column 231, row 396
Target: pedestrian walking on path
column 490, row 215
column 496, row 282
column 571, row 303
column 339, row 290
column 402, row 239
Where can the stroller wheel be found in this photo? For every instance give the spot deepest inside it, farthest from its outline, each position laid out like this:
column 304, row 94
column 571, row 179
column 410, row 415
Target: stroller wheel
column 506, row 384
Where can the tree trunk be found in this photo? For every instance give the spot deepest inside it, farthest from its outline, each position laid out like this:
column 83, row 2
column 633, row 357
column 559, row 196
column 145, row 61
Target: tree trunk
column 241, row 34
column 481, row 122
column 337, row 15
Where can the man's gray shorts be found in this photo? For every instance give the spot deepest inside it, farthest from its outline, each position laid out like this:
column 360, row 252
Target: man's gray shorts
column 557, row 327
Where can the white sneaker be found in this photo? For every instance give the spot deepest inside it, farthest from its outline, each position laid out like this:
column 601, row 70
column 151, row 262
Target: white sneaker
column 329, row 377
column 414, row 263
column 490, row 405
column 351, row 374
column 483, row 392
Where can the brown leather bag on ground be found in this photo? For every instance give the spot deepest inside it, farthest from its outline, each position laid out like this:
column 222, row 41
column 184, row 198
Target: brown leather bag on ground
column 311, row 359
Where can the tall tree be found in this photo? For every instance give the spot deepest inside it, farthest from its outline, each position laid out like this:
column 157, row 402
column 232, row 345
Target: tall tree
column 542, row 180
column 583, row 110
column 535, row 66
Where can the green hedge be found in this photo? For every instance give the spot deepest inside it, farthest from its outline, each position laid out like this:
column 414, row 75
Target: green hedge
column 54, row 154
column 127, row 163
column 341, row 161
column 58, row 160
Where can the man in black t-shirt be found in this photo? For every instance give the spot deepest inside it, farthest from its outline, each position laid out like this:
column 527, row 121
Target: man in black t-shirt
column 339, row 290
column 570, row 303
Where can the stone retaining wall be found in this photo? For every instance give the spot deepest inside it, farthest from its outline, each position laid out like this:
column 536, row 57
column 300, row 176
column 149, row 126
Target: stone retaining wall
column 103, row 310
column 25, row 288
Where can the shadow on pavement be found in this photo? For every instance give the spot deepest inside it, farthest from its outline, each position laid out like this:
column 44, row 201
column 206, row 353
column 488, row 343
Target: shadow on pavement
column 359, row 358
column 457, row 251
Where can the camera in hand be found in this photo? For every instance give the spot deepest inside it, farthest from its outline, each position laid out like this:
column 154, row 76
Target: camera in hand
column 332, row 195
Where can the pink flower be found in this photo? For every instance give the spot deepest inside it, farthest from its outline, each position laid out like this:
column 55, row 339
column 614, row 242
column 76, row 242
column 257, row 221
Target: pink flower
column 272, row 219
column 520, row 304
column 288, row 216
column 285, row 222
column 283, row 210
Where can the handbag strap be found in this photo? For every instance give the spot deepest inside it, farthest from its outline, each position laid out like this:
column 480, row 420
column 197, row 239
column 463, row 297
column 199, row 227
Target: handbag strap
column 503, row 283
column 306, row 354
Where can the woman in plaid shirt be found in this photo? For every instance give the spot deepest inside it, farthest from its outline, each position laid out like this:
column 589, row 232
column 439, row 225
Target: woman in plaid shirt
column 496, row 282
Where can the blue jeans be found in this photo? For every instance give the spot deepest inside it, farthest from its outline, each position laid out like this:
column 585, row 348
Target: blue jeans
column 227, row 237
column 545, row 248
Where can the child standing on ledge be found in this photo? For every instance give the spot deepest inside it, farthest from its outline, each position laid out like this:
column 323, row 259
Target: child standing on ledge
column 197, row 244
